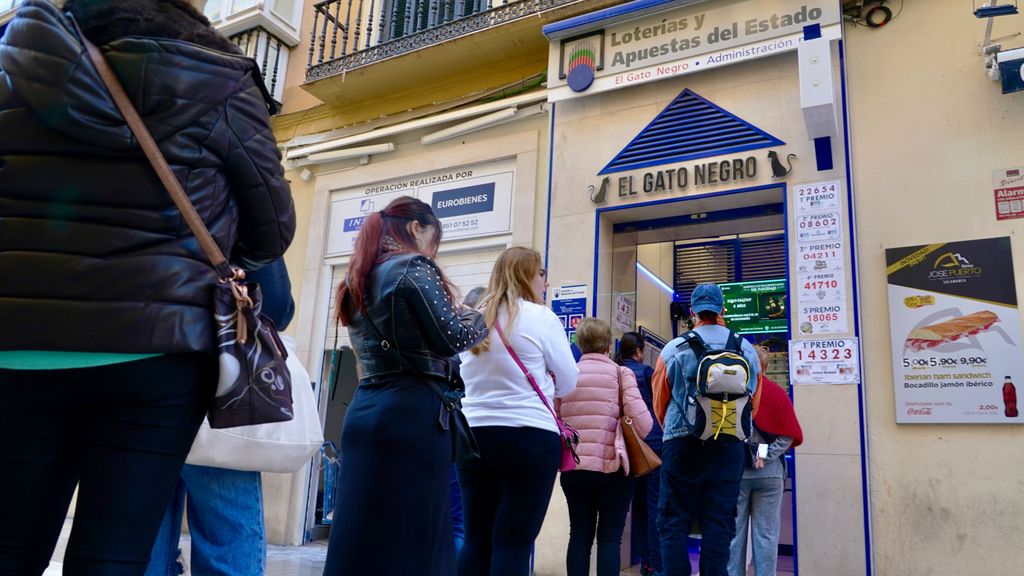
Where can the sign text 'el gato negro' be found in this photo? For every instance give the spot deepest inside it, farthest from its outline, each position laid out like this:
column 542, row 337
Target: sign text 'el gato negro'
column 674, row 180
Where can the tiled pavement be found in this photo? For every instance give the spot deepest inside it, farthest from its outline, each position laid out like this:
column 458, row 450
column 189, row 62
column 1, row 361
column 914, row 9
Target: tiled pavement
column 309, row 560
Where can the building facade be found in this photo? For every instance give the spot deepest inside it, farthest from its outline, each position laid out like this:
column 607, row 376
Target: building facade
column 918, row 128
column 850, row 170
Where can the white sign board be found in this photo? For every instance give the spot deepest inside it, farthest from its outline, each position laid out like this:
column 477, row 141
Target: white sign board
column 470, row 202
column 347, row 216
column 834, row 361
column 821, row 256
column 956, row 332
column 1008, row 188
column 817, row 197
column 684, row 40
column 820, row 286
column 818, row 226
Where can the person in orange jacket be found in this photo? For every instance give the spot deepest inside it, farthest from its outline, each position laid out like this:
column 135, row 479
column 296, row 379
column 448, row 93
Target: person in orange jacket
column 700, row 479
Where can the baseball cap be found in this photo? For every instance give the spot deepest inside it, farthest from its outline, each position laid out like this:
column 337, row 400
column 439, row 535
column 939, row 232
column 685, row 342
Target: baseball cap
column 707, row 298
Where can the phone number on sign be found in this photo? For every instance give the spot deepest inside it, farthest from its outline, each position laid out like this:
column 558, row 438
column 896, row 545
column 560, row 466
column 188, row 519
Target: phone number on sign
column 460, row 224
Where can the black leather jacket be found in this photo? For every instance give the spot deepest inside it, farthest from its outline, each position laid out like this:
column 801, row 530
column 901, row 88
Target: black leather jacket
column 408, row 305
column 94, row 257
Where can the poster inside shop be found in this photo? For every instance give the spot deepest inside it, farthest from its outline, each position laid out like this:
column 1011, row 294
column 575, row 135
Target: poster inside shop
column 756, row 307
column 470, row 202
column 570, row 305
column 824, row 361
column 956, row 333
column 1008, row 188
column 821, row 260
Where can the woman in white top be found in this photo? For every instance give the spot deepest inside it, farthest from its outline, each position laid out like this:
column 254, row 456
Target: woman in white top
column 505, row 492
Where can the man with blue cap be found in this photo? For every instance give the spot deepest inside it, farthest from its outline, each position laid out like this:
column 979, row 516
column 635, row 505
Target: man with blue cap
column 700, row 479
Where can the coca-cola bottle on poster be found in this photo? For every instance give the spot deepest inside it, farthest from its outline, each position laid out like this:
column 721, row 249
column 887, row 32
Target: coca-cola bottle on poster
column 1009, row 398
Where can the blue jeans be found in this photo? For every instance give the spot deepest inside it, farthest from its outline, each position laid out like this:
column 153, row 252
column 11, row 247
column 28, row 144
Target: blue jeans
column 699, row 481
column 759, row 502
column 225, row 520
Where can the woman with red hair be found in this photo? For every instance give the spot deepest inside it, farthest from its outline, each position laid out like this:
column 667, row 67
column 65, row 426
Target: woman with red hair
column 392, row 515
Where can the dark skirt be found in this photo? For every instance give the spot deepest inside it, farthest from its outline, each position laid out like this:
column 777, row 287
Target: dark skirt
column 392, row 515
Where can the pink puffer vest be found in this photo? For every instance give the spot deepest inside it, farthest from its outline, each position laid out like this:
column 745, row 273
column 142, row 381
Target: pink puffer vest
column 593, row 409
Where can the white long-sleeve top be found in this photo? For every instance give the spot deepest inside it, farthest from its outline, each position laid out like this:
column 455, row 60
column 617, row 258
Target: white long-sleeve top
column 497, row 391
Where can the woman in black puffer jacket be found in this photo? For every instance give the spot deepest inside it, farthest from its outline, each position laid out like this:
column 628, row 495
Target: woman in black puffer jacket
column 107, row 357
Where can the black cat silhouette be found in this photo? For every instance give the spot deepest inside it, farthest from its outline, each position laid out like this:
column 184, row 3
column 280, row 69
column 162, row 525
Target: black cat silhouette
column 598, row 195
column 778, row 170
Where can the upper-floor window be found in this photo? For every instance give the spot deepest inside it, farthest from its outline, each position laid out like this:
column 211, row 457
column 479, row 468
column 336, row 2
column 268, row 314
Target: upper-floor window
column 282, row 17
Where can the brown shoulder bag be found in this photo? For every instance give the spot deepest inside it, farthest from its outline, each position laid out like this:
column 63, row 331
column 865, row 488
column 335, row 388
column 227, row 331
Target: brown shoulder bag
column 642, row 460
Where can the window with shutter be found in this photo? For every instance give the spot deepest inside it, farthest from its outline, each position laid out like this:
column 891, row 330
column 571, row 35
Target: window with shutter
column 735, row 260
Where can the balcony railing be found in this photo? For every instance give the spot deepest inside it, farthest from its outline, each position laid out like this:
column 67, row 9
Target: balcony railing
column 347, row 34
column 270, row 52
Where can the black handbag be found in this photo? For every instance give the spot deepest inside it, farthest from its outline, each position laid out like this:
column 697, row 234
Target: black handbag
column 450, row 416
column 255, row 385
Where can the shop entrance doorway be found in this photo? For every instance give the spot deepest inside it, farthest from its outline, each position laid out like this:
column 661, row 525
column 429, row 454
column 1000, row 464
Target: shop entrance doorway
column 659, row 251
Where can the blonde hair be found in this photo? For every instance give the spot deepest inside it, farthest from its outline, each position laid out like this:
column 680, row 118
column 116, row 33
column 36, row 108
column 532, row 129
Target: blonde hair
column 593, row 336
column 762, row 356
column 511, row 281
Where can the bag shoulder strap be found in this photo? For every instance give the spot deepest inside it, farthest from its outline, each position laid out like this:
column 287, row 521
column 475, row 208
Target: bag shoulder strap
column 696, row 343
column 622, row 392
column 734, row 343
column 446, row 398
column 157, row 160
column 529, row 377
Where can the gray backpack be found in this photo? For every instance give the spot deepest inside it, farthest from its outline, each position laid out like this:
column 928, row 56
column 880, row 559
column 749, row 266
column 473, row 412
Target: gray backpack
column 723, row 401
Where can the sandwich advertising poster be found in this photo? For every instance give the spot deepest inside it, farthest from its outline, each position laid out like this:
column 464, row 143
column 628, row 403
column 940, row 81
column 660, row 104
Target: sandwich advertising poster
column 955, row 328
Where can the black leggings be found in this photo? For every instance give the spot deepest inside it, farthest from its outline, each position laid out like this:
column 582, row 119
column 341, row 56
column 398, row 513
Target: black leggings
column 505, row 495
column 121, row 432
column 598, row 505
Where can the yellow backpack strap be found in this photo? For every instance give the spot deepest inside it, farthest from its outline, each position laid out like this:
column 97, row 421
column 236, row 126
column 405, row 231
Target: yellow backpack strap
column 722, row 423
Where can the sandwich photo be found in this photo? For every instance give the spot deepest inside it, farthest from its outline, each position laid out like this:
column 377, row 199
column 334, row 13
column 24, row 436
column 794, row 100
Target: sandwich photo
column 950, row 330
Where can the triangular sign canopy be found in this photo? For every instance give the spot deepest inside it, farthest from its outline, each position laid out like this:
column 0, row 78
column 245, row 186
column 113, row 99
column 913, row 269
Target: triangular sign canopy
column 689, row 128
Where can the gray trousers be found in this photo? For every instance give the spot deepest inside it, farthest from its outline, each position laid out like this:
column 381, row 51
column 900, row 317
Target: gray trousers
column 760, row 502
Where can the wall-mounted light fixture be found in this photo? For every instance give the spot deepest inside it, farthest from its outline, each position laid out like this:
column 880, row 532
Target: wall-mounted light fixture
column 500, row 117
column 655, row 279
column 362, row 152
